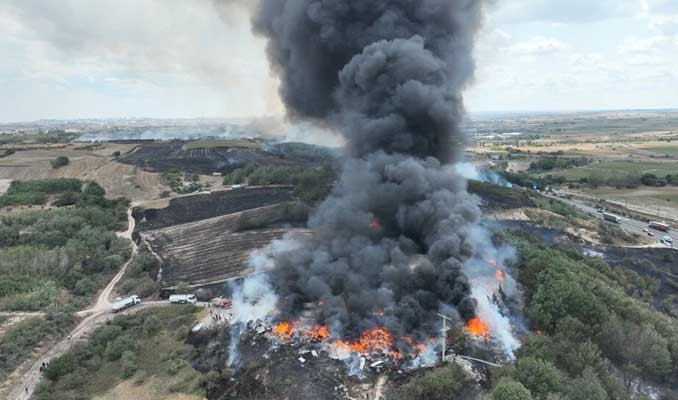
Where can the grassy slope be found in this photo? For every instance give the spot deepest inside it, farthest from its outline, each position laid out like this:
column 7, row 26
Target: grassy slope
column 162, row 367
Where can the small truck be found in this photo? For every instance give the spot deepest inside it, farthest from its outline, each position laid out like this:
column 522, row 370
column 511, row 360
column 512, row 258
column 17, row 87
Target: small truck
column 220, row 302
column 126, row 303
column 183, row 299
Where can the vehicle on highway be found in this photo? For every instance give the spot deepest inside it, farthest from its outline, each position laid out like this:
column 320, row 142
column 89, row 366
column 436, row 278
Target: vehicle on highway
column 183, row 299
column 667, row 239
column 126, row 303
column 659, row 226
column 612, row 218
column 650, row 233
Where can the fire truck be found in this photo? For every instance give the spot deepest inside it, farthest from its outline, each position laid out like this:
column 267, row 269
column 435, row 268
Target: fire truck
column 221, row 302
column 659, row 226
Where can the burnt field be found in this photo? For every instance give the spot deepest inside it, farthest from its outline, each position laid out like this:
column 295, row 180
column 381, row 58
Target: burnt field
column 195, row 208
column 165, row 156
column 217, row 249
column 647, row 273
column 498, row 197
column 658, row 266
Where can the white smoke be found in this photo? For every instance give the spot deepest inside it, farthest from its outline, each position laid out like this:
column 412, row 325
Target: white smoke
column 482, row 271
column 428, row 357
column 254, row 298
column 471, row 172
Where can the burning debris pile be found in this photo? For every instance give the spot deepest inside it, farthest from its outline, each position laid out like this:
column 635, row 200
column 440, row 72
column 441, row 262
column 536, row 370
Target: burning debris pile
column 295, row 361
column 397, row 241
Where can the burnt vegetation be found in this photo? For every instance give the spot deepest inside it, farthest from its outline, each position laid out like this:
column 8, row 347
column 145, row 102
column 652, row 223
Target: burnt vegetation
column 180, row 155
column 203, row 206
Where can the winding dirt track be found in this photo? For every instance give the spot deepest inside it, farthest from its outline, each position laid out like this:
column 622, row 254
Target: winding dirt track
column 92, row 317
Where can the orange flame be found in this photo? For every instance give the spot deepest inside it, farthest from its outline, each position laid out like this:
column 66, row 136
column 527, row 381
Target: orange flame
column 318, row 332
column 499, row 274
column 477, row 327
column 284, row 329
column 375, row 339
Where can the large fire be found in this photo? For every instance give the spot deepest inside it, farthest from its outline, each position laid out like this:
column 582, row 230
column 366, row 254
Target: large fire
column 477, row 327
column 284, row 329
column 375, row 339
column 371, row 340
column 318, row 332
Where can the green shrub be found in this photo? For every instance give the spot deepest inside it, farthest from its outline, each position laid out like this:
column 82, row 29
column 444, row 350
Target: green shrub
column 538, row 376
column 508, row 389
column 438, row 384
column 587, row 387
column 59, row 162
column 128, row 362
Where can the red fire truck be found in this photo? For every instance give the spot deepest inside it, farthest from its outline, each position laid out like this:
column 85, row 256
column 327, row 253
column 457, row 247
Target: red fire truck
column 221, row 302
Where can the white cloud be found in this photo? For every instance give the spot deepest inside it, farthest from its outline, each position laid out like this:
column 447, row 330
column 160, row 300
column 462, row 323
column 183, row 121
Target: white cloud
column 539, row 45
column 566, row 11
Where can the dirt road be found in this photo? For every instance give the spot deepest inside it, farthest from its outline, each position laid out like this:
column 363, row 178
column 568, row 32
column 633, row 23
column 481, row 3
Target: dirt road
column 100, row 312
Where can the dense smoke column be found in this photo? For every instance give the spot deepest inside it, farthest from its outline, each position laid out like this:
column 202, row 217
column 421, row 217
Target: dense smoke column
column 390, row 240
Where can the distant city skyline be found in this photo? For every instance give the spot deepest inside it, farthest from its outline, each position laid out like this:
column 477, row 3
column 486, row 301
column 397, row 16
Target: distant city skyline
column 76, row 59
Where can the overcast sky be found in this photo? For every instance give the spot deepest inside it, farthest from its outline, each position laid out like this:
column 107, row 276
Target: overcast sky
column 195, row 58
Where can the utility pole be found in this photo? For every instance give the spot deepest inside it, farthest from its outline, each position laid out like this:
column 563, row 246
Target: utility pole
column 444, row 334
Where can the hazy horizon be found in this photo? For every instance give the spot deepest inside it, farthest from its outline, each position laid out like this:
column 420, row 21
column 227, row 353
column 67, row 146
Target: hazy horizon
column 138, row 59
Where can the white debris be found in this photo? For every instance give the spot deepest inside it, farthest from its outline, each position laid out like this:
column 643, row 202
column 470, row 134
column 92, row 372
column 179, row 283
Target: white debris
column 302, row 360
column 362, row 362
column 198, row 327
column 376, row 364
column 314, row 353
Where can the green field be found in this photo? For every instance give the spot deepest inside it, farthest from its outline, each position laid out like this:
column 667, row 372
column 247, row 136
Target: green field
column 216, row 143
column 668, row 150
column 616, row 169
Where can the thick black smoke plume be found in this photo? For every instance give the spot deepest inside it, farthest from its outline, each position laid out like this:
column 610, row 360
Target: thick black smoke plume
column 390, row 240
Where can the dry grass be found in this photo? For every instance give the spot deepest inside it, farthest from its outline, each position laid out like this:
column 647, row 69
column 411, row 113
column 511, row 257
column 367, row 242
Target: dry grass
column 95, row 163
column 151, row 389
column 647, row 200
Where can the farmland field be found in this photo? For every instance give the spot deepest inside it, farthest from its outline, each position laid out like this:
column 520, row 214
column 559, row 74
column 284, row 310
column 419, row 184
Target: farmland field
column 93, row 162
column 654, row 201
column 669, row 150
column 217, row 249
column 612, row 169
column 214, row 143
